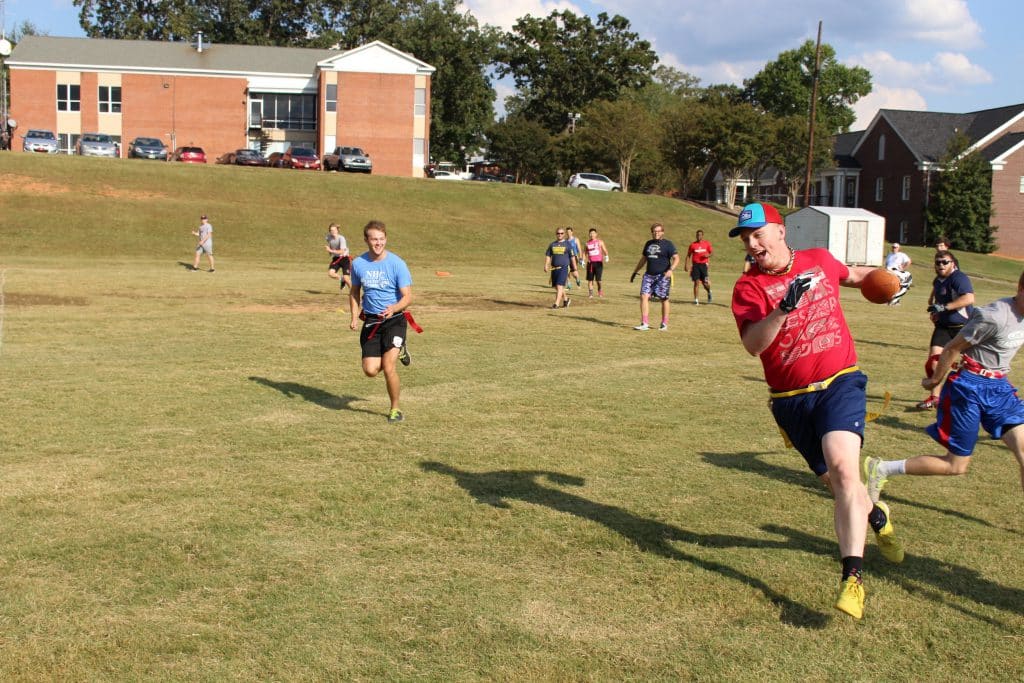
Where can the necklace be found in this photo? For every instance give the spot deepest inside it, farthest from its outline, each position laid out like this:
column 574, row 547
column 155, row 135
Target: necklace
column 780, row 271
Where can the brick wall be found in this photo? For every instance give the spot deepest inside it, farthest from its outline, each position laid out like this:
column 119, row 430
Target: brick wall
column 33, row 101
column 898, row 162
column 1008, row 202
column 375, row 112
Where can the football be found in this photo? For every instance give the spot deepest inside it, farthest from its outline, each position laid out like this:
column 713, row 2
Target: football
column 879, row 286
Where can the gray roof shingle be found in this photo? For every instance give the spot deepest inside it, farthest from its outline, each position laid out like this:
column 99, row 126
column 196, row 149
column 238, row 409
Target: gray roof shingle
column 928, row 133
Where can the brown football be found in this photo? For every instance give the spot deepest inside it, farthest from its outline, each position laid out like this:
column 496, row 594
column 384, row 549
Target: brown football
column 879, row 286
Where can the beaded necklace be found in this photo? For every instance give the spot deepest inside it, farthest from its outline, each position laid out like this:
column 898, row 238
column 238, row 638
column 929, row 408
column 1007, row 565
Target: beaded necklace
column 780, row 271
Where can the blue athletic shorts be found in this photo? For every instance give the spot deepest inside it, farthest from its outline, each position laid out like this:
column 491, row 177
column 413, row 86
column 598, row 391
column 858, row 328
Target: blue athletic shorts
column 969, row 400
column 659, row 285
column 559, row 276
column 806, row 418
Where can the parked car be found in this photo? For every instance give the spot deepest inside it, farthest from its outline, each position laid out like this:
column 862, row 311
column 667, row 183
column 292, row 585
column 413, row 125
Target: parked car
column 97, row 145
column 302, row 158
column 593, row 181
column 486, row 178
column 189, row 155
column 147, row 148
column 43, row 141
column 243, row 157
column 348, row 159
column 446, row 175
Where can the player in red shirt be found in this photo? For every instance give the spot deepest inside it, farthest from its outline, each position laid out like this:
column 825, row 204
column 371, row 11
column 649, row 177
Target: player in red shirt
column 788, row 313
column 698, row 256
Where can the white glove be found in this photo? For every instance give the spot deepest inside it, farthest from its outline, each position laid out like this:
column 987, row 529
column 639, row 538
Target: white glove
column 906, row 280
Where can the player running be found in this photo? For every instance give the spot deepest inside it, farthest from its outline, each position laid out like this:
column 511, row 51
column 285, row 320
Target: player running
column 660, row 257
column 597, row 256
column 698, row 254
column 340, row 267
column 977, row 394
column 788, row 312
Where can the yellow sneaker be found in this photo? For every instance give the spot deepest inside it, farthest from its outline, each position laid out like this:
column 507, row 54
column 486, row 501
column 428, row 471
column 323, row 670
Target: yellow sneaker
column 889, row 545
column 873, row 479
column 851, row 597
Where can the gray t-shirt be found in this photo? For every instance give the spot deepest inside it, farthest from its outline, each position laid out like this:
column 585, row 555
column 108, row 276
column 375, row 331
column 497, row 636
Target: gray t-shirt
column 205, row 230
column 996, row 333
column 337, row 243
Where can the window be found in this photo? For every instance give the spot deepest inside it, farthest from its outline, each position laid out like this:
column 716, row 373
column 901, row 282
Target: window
column 420, row 108
column 881, row 147
column 110, row 99
column 1022, row 184
column 69, row 97
column 417, row 146
column 331, row 98
column 878, row 189
column 903, row 231
column 905, row 193
column 292, row 112
column 68, row 141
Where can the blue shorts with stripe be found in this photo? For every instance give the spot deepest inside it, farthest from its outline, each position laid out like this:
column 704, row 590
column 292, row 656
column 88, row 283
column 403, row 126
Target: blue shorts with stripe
column 807, row 418
column 969, row 400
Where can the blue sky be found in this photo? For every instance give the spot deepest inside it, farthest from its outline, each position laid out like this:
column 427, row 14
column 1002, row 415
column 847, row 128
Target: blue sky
column 935, row 55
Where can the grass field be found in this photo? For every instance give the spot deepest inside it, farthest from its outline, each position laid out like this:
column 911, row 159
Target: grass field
column 198, row 483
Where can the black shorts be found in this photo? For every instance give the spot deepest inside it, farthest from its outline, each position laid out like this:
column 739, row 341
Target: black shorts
column 699, row 272
column 943, row 335
column 342, row 263
column 594, row 270
column 387, row 335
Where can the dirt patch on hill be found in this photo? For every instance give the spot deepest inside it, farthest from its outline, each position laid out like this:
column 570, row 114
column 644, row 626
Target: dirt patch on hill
column 13, row 183
column 25, row 300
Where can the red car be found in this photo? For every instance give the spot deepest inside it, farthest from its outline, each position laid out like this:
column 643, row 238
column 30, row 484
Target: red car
column 189, row 155
column 302, row 158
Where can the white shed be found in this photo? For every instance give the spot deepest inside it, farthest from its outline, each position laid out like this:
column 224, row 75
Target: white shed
column 854, row 236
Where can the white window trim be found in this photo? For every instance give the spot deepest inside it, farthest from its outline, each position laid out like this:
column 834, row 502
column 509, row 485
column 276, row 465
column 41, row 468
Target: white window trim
column 879, row 189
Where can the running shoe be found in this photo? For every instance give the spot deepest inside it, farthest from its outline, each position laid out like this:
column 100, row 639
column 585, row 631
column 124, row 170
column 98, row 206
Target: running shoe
column 663, row 327
column 851, row 597
column 873, row 478
column 403, row 355
column 643, row 327
column 929, row 403
column 395, row 416
column 696, row 302
column 565, row 304
column 889, row 545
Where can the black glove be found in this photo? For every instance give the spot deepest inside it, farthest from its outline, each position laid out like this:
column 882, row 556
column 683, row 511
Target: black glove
column 632, row 277
column 906, row 280
column 797, row 288
column 937, row 308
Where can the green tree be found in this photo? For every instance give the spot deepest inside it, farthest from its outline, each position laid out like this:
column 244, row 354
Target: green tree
column 563, row 62
column 523, row 147
column 784, row 87
column 623, row 128
column 790, row 154
column 961, row 203
column 684, row 143
column 734, row 135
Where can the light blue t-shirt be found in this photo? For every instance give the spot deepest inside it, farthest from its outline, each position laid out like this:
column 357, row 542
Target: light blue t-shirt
column 380, row 280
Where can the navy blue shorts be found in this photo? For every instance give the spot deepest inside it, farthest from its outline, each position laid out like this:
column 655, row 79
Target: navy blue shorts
column 559, row 276
column 967, row 401
column 807, row 418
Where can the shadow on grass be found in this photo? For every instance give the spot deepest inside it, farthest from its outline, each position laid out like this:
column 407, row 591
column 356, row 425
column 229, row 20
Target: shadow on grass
column 751, row 462
column 496, row 488
column 597, row 321
column 520, row 304
column 186, row 266
column 320, row 397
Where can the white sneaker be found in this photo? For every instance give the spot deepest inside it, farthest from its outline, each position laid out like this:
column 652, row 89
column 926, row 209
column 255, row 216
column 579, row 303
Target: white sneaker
column 643, row 327
column 696, row 302
column 663, row 328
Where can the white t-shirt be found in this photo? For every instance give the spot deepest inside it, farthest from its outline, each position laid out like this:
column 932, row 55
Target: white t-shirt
column 897, row 260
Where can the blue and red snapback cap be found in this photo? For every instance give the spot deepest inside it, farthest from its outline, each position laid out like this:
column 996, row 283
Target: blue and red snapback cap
column 756, row 215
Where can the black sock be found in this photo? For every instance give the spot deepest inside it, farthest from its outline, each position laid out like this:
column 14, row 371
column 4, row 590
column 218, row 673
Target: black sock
column 877, row 518
column 852, row 567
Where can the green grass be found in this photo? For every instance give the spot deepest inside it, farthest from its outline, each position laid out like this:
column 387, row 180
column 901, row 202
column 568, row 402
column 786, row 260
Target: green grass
column 197, row 482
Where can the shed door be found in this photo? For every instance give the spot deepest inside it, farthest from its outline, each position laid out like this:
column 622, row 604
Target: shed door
column 857, row 242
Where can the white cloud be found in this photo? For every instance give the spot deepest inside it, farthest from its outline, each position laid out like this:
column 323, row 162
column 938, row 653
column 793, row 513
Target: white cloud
column 942, row 73
column 945, row 22
column 504, row 13
column 886, row 98
column 957, row 68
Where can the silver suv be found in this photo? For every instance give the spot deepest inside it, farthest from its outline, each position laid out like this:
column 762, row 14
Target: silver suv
column 594, row 181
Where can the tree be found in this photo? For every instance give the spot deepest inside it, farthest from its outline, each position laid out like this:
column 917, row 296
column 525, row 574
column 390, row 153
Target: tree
column 784, row 87
column 961, row 203
column 522, row 146
column 733, row 135
column 790, row 154
column 623, row 128
column 684, row 144
column 563, row 62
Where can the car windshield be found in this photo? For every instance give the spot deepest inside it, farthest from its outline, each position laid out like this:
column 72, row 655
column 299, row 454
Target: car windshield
column 302, row 152
column 356, row 151
column 42, row 134
column 148, row 142
column 95, row 138
column 192, row 150
column 246, row 153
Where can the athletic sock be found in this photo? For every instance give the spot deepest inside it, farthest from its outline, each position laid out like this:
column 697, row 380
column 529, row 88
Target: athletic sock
column 877, row 518
column 643, row 319
column 888, row 468
column 664, row 321
column 852, row 566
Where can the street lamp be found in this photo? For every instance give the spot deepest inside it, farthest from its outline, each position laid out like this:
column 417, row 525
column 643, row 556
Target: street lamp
column 573, row 118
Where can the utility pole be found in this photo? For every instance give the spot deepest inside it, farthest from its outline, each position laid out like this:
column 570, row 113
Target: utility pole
column 814, row 115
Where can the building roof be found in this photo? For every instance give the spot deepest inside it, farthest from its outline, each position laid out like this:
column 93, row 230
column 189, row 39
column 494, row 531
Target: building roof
column 1000, row 148
column 149, row 56
column 927, row 134
column 843, row 145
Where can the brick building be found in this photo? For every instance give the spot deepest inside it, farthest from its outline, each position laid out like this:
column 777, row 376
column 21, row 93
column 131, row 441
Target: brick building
column 226, row 97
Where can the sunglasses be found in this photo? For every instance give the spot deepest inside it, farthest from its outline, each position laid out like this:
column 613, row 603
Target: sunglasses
column 944, row 262
column 559, row 233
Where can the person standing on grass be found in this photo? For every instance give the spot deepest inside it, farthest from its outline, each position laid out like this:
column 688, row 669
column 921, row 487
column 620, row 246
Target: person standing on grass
column 697, row 256
column 949, row 306
column 559, row 260
column 204, row 235
column 380, row 295
column 788, row 312
column 978, row 394
column 660, row 257
column 597, row 256
column 897, row 260
column 577, row 252
column 341, row 264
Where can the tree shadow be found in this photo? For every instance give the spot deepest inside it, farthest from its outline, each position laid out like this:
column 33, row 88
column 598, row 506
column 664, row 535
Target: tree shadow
column 751, row 463
column 320, row 397
column 496, row 488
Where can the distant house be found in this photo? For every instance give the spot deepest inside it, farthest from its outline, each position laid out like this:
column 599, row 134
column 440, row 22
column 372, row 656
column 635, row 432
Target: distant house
column 225, row 97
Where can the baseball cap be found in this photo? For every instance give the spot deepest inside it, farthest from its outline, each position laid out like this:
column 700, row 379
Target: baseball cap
column 756, row 215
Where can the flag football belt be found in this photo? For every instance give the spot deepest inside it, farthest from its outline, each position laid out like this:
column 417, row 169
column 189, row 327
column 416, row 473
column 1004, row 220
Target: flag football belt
column 975, row 368
column 814, row 386
column 377, row 321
